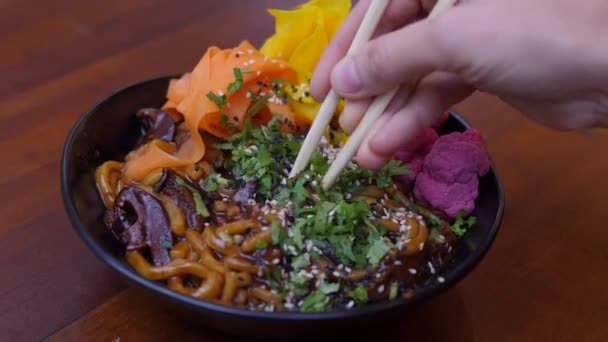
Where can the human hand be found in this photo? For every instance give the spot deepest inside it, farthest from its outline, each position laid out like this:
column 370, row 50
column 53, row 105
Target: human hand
column 547, row 58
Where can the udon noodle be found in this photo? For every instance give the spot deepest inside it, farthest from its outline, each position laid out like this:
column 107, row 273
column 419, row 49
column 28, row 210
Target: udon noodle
column 209, row 231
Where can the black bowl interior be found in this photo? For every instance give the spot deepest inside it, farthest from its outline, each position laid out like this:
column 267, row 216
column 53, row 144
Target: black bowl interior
column 108, row 131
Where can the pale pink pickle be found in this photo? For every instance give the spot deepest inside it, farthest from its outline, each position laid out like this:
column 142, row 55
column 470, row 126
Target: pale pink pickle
column 450, row 173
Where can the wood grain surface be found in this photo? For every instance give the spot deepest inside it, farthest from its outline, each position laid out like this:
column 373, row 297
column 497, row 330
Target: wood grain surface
column 543, row 280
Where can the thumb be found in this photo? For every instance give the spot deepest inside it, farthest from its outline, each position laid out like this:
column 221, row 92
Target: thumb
column 405, row 56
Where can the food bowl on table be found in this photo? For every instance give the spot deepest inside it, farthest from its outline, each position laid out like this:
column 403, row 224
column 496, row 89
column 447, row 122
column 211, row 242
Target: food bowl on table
column 110, row 130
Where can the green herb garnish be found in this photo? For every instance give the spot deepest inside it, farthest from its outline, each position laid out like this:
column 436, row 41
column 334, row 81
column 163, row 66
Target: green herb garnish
column 329, row 288
column 201, row 209
column 299, row 262
column 258, row 103
column 166, row 244
column 220, row 101
column 360, row 295
column 261, row 244
column 394, row 291
column 462, row 224
column 315, row 302
column 233, row 87
column 377, row 251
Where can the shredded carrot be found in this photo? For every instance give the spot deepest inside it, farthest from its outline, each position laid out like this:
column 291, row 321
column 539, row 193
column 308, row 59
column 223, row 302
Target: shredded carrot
column 188, row 95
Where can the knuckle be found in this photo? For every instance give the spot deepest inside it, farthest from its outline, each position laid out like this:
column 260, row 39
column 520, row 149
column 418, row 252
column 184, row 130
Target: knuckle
column 373, row 66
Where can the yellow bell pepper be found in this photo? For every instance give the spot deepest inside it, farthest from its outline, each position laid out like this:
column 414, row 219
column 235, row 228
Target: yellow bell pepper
column 301, row 35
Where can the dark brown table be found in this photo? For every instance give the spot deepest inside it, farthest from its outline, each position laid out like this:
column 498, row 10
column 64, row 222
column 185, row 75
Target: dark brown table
column 545, row 279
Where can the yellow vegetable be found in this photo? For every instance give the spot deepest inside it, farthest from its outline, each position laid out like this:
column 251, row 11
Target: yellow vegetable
column 301, row 35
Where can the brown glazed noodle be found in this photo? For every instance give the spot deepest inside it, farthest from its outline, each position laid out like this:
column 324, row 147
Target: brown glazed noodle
column 231, row 229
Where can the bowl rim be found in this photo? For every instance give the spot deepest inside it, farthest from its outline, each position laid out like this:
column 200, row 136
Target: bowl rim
column 451, row 278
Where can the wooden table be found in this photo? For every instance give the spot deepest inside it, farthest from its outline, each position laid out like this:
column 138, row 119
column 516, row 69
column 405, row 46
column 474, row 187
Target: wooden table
column 544, row 279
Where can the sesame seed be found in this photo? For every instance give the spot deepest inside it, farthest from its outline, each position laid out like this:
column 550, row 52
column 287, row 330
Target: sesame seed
column 440, row 279
column 314, row 183
column 250, row 51
column 283, row 181
column 378, row 275
column 412, row 270
column 431, row 267
column 275, row 261
column 251, row 61
column 220, row 93
column 336, row 274
column 397, row 262
column 248, row 95
column 380, row 288
column 347, row 269
column 274, row 61
column 259, row 72
column 264, row 228
column 288, row 306
column 308, row 245
column 350, row 304
column 421, row 246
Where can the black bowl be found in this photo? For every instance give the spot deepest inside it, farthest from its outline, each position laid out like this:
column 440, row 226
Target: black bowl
column 109, row 131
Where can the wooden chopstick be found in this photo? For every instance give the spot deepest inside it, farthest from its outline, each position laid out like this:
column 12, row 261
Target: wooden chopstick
column 328, row 107
column 374, row 111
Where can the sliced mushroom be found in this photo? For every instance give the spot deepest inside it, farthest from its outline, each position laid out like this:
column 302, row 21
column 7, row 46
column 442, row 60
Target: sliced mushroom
column 141, row 221
column 156, row 124
column 182, row 196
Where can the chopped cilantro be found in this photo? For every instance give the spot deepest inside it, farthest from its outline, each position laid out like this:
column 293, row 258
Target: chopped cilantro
column 166, row 244
column 201, row 209
column 300, row 285
column 315, row 302
column 360, row 294
column 329, row 288
column 213, row 182
column 275, row 232
column 377, row 251
column 462, row 224
column 319, row 163
column 393, row 168
column 299, row 262
column 394, row 291
column 261, row 244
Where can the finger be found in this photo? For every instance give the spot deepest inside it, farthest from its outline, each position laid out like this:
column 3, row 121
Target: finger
column 405, row 56
column 432, row 97
column 427, row 5
column 367, row 158
column 397, row 14
column 352, row 114
column 355, row 109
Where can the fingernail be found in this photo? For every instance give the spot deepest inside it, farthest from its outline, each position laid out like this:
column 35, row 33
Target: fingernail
column 345, row 78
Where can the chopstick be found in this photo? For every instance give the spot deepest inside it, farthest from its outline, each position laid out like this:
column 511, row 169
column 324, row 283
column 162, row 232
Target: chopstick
column 328, row 107
column 373, row 113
